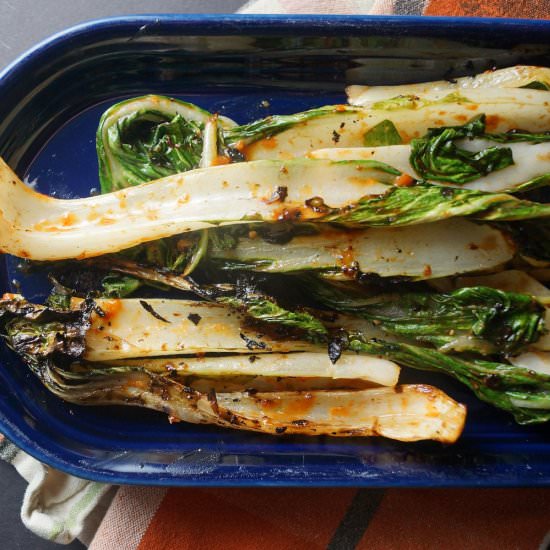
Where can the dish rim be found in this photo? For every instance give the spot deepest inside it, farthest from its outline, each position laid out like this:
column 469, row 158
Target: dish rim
column 210, row 24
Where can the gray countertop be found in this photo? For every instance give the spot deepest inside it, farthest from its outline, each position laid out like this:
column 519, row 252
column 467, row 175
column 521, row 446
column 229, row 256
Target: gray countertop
column 25, row 23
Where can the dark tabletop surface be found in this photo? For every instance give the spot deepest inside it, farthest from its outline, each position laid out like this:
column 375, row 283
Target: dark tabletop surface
column 23, row 24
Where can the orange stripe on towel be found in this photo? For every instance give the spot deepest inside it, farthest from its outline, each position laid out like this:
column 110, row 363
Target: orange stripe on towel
column 531, row 9
column 459, row 519
column 266, row 518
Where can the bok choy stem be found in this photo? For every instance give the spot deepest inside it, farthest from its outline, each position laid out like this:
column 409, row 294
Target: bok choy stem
column 353, row 193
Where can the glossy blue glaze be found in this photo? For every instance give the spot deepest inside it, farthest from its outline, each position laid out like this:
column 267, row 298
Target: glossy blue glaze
column 52, row 98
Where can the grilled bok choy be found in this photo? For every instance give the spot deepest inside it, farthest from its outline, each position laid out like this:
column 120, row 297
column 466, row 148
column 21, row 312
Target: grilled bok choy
column 419, row 252
column 123, row 330
column 405, row 413
column 464, row 156
column 519, row 76
column 147, row 137
column 389, row 121
column 351, row 193
column 54, row 344
column 498, row 382
column 479, row 319
column 514, row 388
column 150, row 137
column 327, row 250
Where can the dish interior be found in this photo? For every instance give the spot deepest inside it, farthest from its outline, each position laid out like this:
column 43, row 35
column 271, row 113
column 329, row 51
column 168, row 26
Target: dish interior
column 53, row 101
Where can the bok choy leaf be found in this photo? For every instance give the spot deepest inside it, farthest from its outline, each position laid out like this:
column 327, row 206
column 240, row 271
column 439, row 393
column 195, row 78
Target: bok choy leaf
column 436, row 156
column 481, row 319
column 147, row 138
column 465, row 155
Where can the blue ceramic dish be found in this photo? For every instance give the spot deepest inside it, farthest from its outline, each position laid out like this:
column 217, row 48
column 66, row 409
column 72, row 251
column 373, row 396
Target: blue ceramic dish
column 52, row 98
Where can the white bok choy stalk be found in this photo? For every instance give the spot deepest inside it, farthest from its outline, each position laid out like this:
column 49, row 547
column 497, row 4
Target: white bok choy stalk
column 44, row 228
column 352, row 193
column 139, row 332
column 405, row 413
column 536, row 361
column 274, row 365
column 291, row 136
column 422, row 251
column 531, row 162
column 518, row 76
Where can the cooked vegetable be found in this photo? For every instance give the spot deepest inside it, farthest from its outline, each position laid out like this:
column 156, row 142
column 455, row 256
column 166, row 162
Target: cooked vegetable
column 512, row 280
column 515, row 389
column 436, row 157
column 519, row 76
column 44, row 228
column 157, row 327
column 316, row 277
column 350, row 193
column 291, row 136
column 466, row 156
column 479, row 319
column 519, row 282
column 536, row 361
column 305, row 365
column 408, row 413
column 400, row 414
column 149, row 137
column 124, row 330
column 420, row 252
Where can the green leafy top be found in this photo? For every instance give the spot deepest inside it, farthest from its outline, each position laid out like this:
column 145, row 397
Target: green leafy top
column 274, row 124
column 148, row 145
column 436, row 156
column 383, row 133
column 478, row 318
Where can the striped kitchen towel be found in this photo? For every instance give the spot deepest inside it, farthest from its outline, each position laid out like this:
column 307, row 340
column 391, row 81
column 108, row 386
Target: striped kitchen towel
column 531, row 9
column 338, row 519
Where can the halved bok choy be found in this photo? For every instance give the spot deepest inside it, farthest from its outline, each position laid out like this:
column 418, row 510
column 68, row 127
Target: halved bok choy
column 291, row 136
column 351, row 193
column 140, row 333
column 53, row 342
column 478, row 319
column 405, row 413
column 464, row 155
column 497, row 381
column 150, row 137
column 518, row 76
column 418, row 252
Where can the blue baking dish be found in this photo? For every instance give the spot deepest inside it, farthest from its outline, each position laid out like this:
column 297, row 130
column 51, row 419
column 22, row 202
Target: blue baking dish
column 52, row 98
